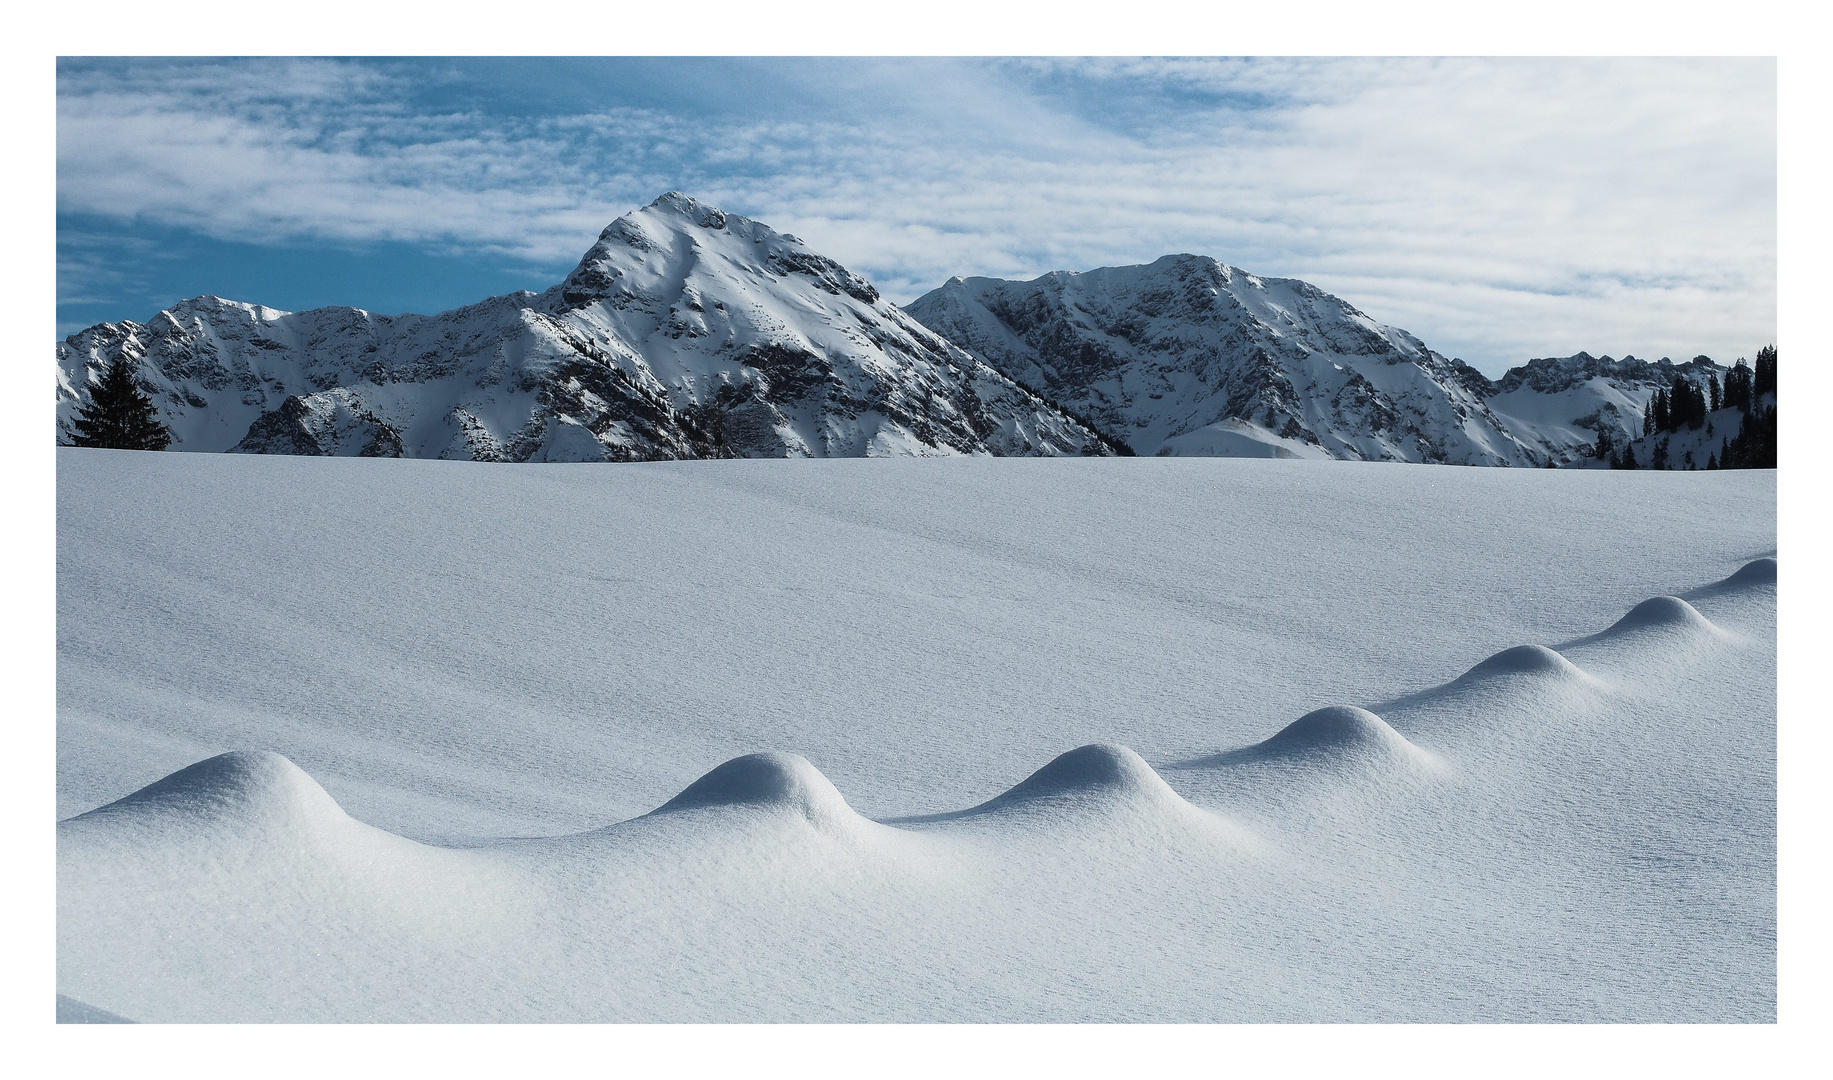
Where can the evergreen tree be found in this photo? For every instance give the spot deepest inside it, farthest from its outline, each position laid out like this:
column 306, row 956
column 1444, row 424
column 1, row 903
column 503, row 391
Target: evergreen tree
column 1695, row 405
column 1764, row 380
column 1754, row 446
column 1602, row 451
column 1711, row 462
column 119, row 415
column 1737, row 386
column 1659, row 460
column 1717, row 394
column 1760, row 453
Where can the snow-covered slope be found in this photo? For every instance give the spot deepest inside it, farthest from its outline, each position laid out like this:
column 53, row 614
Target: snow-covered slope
column 1116, row 739
column 1188, row 356
column 1686, row 448
column 684, row 332
column 1562, row 403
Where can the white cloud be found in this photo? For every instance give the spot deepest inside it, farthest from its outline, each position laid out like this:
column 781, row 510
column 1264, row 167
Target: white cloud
column 1499, row 209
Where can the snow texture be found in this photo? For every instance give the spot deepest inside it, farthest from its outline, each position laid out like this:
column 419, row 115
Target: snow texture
column 1117, row 739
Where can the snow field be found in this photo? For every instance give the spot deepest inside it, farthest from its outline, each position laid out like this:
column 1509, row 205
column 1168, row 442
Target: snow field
column 1577, row 832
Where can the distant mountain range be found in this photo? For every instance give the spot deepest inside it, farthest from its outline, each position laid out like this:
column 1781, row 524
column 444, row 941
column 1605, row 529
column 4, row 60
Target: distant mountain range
column 1189, row 356
column 686, row 332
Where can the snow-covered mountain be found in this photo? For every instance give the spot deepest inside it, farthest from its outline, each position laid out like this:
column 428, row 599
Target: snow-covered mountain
column 1189, row 356
column 685, row 332
column 1563, row 402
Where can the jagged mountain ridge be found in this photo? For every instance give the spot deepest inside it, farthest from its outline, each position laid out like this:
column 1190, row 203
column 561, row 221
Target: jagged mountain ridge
column 1188, row 355
column 1563, row 402
column 685, row 332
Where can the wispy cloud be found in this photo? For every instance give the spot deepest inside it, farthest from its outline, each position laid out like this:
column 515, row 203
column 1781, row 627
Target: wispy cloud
column 1499, row 209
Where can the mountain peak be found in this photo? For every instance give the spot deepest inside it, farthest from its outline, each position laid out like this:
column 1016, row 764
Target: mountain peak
column 686, row 206
column 683, row 332
column 1188, row 355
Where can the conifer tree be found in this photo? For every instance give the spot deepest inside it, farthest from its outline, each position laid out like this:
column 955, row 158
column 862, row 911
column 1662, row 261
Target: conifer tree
column 1759, row 439
column 1737, row 386
column 1687, row 405
column 1754, row 446
column 1717, row 393
column 119, row 415
column 1659, row 460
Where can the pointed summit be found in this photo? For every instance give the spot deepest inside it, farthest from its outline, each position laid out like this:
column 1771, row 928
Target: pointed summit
column 686, row 206
column 684, row 332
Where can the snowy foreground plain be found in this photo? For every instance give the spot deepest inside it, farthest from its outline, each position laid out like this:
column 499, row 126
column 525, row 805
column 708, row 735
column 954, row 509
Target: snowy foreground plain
column 1041, row 740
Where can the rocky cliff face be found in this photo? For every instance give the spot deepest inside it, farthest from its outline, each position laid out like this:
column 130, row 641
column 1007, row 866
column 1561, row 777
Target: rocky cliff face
column 684, row 333
column 1561, row 403
column 1190, row 356
column 1187, row 355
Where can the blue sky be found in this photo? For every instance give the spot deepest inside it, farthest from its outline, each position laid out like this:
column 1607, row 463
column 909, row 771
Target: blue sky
column 1500, row 209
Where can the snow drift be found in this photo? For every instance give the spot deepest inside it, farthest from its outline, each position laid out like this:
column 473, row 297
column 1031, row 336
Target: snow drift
column 781, row 783
column 508, row 695
column 160, row 927
column 1339, row 731
column 1669, row 613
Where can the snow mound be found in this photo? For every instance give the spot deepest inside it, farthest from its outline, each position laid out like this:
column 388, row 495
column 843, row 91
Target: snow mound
column 768, row 781
column 1664, row 612
column 1524, row 660
column 1098, row 771
column 1755, row 572
column 251, row 787
column 1338, row 730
